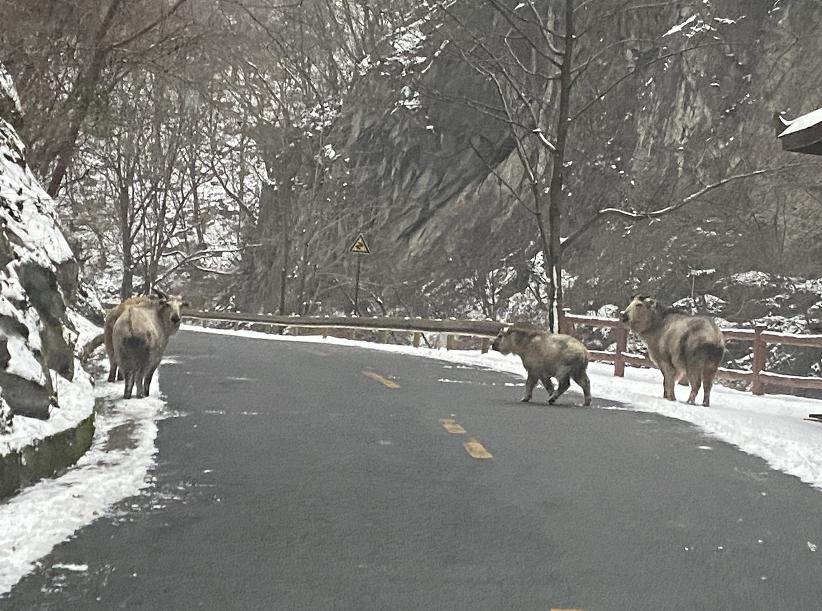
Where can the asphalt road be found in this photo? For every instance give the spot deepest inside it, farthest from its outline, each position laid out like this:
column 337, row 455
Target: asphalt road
column 299, row 477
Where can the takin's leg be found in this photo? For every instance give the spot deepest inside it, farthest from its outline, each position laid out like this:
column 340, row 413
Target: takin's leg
column 581, row 378
column 563, row 382
column 695, row 379
column 147, row 380
column 112, row 370
column 529, row 388
column 708, row 374
column 669, row 378
column 141, row 385
column 108, row 342
column 115, row 374
column 129, row 383
column 548, row 383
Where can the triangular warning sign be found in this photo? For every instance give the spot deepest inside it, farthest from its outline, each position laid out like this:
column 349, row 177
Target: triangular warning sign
column 360, row 247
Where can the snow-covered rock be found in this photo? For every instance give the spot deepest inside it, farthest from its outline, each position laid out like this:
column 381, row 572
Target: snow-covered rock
column 39, row 277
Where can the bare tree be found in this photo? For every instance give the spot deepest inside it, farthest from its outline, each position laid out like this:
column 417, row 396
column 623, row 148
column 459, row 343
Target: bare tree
column 554, row 67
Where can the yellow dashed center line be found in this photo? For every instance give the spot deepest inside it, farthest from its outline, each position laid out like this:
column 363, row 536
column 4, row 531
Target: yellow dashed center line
column 476, row 449
column 382, row 380
column 452, row 427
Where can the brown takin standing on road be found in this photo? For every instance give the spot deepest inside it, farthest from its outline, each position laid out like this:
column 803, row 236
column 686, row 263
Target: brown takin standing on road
column 108, row 331
column 547, row 356
column 140, row 337
column 679, row 344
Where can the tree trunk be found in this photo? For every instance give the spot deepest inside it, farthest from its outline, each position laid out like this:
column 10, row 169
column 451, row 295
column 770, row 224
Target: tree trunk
column 556, row 195
column 127, row 284
column 79, row 102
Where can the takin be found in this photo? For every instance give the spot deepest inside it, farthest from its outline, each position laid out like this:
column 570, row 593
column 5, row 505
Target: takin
column 140, row 336
column 680, row 345
column 546, row 356
column 108, row 331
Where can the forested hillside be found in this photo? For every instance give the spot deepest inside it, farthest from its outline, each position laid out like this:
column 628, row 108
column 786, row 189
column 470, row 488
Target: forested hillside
column 234, row 150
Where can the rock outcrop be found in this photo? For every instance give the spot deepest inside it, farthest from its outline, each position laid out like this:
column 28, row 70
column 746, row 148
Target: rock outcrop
column 428, row 165
column 39, row 279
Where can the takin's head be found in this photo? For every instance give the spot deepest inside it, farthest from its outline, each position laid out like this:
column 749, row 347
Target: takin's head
column 170, row 309
column 642, row 313
column 507, row 341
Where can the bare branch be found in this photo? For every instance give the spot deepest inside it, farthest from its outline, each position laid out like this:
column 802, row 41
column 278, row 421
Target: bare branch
column 202, row 254
column 149, row 27
column 632, row 215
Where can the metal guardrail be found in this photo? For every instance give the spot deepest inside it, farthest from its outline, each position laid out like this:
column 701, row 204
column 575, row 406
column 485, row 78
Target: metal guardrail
column 451, row 327
column 476, row 328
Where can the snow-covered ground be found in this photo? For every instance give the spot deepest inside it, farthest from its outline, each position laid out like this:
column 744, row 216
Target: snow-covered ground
column 76, row 400
column 47, row 513
column 39, row 518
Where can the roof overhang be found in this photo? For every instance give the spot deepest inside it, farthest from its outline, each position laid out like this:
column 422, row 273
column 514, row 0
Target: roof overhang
column 801, row 135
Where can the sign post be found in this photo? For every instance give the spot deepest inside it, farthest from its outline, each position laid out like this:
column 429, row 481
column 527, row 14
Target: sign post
column 359, row 247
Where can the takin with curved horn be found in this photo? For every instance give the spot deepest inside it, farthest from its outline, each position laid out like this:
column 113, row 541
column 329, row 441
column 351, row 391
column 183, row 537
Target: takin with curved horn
column 140, row 337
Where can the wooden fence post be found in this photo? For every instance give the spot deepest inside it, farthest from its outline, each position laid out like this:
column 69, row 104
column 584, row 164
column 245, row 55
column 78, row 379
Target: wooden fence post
column 760, row 355
column 621, row 349
column 484, row 345
column 416, row 341
column 449, row 342
column 564, row 325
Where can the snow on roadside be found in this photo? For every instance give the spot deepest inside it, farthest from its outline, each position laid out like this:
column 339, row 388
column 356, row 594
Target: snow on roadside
column 76, row 402
column 49, row 512
column 772, row 427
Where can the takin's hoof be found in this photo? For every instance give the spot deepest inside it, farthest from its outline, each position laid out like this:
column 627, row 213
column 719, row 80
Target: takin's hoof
column 525, row 399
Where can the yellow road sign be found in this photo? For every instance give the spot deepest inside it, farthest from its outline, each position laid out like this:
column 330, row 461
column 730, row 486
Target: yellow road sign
column 360, row 247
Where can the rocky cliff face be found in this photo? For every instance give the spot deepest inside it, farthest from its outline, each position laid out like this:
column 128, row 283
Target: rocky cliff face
column 419, row 147
column 40, row 291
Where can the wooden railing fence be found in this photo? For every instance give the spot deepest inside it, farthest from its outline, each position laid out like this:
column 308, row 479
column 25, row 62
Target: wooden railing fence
column 759, row 336
column 758, row 378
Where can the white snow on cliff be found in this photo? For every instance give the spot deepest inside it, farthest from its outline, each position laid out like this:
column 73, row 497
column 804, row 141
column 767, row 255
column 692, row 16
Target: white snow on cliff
column 29, row 223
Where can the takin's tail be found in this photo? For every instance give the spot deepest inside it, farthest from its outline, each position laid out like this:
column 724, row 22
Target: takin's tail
column 711, row 355
column 135, row 352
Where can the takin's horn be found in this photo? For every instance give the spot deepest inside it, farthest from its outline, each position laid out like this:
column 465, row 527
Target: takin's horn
column 159, row 293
